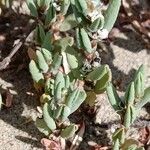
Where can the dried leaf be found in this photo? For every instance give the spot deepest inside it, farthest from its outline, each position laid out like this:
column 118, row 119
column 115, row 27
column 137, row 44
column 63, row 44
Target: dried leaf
column 9, row 99
column 144, row 135
column 31, row 54
column 50, row 144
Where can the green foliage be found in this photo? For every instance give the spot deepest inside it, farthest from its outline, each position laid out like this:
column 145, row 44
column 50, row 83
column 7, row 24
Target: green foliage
column 47, row 115
column 32, row 7
column 56, row 63
column 119, row 135
column 116, row 145
column 83, row 41
column 82, row 6
column 50, row 15
column 136, row 96
column 41, row 125
column 113, row 97
column 69, row 131
column 122, row 143
column 97, row 24
column 62, row 66
column 47, row 57
column 64, row 7
column 43, row 66
column 59, row 106
column 35, row 72
column 145, row 99
column 111, row 14
column 101, row 75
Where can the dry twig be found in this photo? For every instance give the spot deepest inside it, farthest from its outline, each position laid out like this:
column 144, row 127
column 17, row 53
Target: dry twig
column 18, row 44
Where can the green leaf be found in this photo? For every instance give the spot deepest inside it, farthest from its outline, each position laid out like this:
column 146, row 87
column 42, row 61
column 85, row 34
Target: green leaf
column 102, row 83
column 111, row 14
column 116, row 145
column 47, row 55
column 56, row 63
column 57, row 112
column 78, row 39
column 90, row 99
column 58, row 91
column 43, row 3
column 81, row 19
column 134, row 113
column 83, row 41
column 47, row 2
column 82, row 6
column 120, row 135
column 63, row 43
column 69, row 131
column 79, row 99
column 113, row 97
column 127, row 117
column 86, row 41
column 69, row 23
column 40, row 3
column 40, row 34
column 65, row 113
column 140, row 70
column 60, row 79
column 41, row 62
column 35, row 72
column 48, row 86
column 64, row 6
column 71, row 98
column 72, row 57
column 97, row 73
column 47, row 115
column 32, row 7
column 47, row 41
column 139, row 81
column 50, row 15
column 97, row 24
column 139, row 86
column 145, row 99
column 130, row 94
column 41, row 125
column 67, row 81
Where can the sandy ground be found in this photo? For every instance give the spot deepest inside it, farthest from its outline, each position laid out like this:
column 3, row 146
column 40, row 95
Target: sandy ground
column 15, row 133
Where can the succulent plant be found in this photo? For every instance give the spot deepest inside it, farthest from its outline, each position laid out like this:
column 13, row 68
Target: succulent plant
column 128, row 107
column 60, row 104
column 64, row 58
